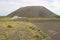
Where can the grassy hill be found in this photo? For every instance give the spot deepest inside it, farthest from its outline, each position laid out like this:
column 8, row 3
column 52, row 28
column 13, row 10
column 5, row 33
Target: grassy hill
column 10, row 30
column 33, row 11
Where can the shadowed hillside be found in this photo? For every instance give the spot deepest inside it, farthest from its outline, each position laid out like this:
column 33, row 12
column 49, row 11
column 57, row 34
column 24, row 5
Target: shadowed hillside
column 33, row 11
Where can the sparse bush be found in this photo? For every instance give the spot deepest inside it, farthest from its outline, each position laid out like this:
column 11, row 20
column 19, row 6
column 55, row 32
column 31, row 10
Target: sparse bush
column 32, row 28
column 38, row 30
column 38, row 37
column 9, row 26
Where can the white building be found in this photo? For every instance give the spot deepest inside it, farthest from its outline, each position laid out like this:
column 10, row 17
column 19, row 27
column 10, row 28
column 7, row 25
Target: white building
column 15, row 17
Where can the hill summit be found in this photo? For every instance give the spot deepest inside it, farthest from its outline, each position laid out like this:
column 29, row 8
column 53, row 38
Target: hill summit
column 33, row 11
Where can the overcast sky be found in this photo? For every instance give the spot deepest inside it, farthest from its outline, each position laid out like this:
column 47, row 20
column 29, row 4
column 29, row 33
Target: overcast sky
column 8, row 6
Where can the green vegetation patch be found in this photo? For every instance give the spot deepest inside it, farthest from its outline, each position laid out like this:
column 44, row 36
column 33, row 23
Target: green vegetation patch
column 38, row 19
column 2, row 19
column 21, row 31
column 3, row 36
column 9, row 26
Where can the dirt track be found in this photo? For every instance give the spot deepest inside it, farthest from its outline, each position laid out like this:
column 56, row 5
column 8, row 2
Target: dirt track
column 52, row 28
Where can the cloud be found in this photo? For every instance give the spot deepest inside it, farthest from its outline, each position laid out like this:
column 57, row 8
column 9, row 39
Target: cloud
column 9, row 5
column 56, row 3
column 55, row 6
column 21, row 3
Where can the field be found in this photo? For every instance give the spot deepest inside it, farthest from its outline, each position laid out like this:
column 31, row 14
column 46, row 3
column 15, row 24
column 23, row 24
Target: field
column 51, row 27
column 16, row 30
column 27, row 19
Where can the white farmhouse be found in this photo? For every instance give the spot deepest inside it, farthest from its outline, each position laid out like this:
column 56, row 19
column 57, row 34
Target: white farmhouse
column 15, row 17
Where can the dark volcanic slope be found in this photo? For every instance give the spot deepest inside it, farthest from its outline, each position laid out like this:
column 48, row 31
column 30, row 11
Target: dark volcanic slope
column 33, row 11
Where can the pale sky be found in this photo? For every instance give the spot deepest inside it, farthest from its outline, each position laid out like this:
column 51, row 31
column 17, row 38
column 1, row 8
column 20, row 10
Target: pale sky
column 8, row 6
